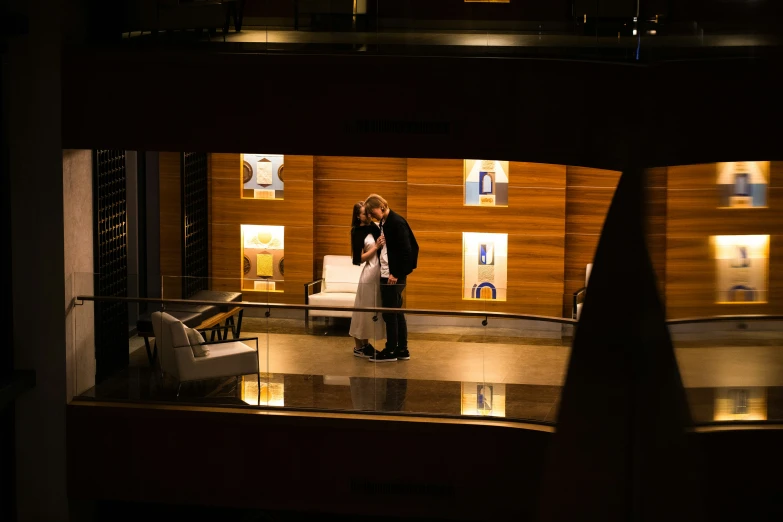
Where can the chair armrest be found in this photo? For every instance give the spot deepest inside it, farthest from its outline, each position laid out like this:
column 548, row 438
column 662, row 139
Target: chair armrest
column 310, row 285
column 224, row 341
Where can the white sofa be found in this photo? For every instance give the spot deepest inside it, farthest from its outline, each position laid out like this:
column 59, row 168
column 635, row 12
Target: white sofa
column 225, row 358
column 337, row 287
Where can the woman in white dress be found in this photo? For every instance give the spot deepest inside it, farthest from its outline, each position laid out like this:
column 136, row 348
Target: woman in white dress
column 366, row 239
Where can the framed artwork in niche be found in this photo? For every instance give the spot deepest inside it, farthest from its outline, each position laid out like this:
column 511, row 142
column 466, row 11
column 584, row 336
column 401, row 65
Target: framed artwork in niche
column 484, row 266
column 263, row 248
column 486, row 183
column 262, row 176
column 742, row 184
column 741, row 268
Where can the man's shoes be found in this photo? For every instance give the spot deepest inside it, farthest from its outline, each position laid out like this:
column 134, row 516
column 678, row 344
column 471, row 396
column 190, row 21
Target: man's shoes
column 384, row 356
column 403, row 355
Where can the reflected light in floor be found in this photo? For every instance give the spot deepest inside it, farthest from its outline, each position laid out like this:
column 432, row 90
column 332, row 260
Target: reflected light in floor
column 272, row 390
column 740, row 404
column 483, row 399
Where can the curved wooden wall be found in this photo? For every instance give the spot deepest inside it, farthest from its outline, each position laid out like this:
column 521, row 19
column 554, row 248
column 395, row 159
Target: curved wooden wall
column 553, row 222
column 692, row 217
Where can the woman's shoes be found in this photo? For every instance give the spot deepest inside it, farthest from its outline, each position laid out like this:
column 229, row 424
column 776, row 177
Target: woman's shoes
column 365, row 351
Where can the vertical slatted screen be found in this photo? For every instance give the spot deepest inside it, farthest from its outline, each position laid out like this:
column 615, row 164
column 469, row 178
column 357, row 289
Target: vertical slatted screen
column 195, row 223
column 111, row 261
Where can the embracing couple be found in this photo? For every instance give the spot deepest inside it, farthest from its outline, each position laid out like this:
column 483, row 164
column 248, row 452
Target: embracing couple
column 383, row 241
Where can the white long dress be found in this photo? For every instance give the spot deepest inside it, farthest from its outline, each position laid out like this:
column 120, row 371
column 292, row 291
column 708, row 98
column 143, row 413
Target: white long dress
column 368, row 294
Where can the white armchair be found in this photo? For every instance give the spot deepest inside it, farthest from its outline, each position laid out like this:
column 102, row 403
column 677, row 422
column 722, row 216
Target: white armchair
column 579, row 295
column 337, row 287
column 225, row 358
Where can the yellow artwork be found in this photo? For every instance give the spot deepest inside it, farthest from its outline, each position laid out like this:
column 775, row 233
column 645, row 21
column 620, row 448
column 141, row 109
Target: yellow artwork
column 264, row 265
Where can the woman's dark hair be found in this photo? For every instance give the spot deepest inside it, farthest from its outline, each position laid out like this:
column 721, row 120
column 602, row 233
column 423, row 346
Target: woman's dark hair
column 357, row 209
column 357, row 239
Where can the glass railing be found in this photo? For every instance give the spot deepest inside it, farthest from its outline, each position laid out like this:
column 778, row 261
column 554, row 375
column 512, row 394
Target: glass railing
column 731, row 367
column 446, row 27
column 464, row 357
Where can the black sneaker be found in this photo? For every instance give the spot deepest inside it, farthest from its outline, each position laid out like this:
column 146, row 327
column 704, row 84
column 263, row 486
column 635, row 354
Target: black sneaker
column 384, row 356
column 403, row 355
column 358, row 352
column 368, row 350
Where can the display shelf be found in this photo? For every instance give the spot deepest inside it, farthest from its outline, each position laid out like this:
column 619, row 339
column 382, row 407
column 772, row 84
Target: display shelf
column 262, row 176
column 263, row 258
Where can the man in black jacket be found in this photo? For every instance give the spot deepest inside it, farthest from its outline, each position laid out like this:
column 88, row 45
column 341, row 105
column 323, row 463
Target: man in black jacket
column 398, row 259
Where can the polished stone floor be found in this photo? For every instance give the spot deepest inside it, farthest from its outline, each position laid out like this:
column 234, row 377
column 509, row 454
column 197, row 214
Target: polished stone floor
column 521, row 373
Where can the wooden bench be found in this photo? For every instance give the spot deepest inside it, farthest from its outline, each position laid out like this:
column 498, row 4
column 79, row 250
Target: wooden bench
column 210, row 323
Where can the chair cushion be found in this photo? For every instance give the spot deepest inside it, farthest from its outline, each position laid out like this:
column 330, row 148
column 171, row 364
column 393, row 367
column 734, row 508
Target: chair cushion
column 341, row 278
column 195, row 339
column 223, row 360
column 332, row 299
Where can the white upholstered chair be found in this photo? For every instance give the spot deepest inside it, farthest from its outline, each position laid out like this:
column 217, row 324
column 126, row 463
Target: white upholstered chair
column 337, row 287
column 225, row 358
column 579, row 295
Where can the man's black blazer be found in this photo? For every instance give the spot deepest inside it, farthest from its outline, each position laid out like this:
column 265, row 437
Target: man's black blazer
column 402, row 248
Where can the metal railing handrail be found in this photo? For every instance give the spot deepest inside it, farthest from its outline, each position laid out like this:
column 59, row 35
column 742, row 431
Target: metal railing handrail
column 282, row 306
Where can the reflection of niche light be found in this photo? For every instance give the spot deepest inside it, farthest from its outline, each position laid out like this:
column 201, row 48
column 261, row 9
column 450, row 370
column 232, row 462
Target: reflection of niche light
column 492, row 404
column 740, row 404
column 272, row 390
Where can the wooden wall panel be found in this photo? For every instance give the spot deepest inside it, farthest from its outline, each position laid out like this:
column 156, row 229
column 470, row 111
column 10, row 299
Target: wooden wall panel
column 655, row 196
column 522, row 174
column 170, row 225
column 534, row 275
column 589, row 194
column 294, row 212
column 540, row 212
column 336, row 198
column 589, row 177
column 360, row 169
column 342, row 181
column 436, row 171
column 534, row 220
column 692, row 217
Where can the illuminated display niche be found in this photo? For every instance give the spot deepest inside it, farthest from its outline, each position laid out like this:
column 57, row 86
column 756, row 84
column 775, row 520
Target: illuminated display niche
column 743, row 184
column 486, row 183
column 485, row 261
column 741, row 268
column 262, row 176
column 263, row 266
